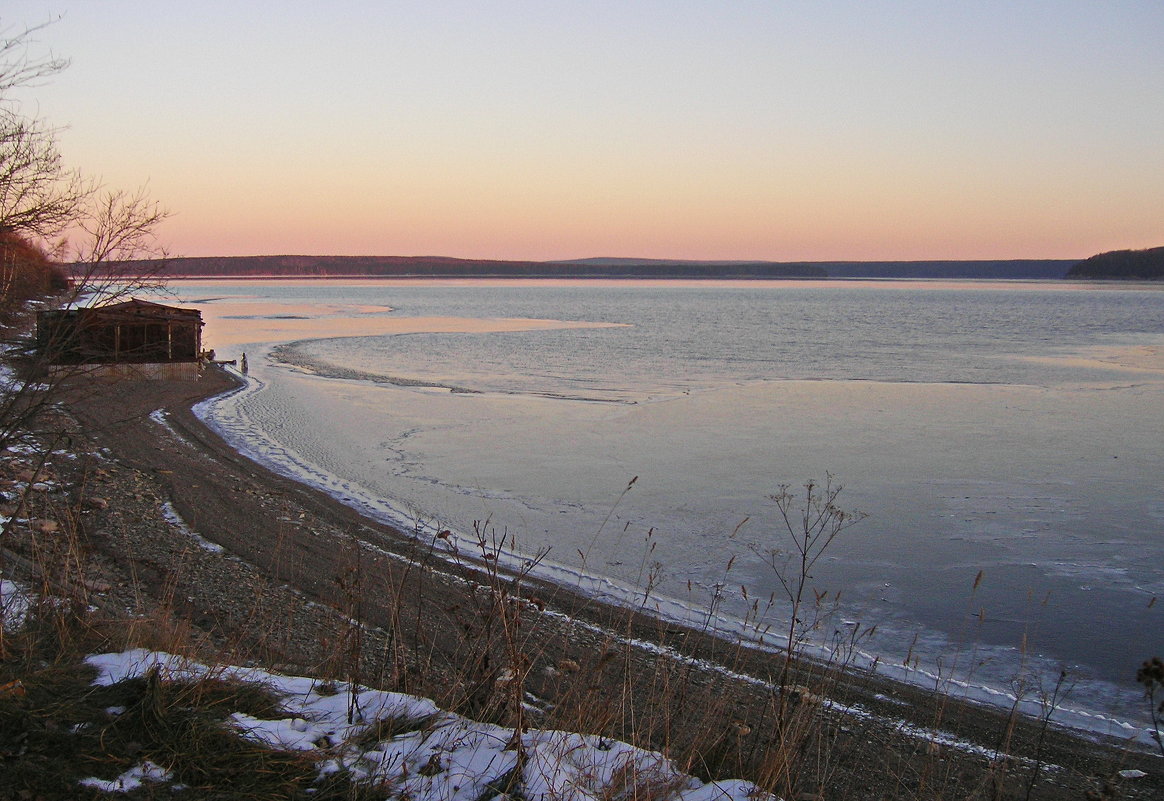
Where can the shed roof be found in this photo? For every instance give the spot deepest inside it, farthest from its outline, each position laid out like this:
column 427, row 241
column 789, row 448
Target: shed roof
column 137, row 309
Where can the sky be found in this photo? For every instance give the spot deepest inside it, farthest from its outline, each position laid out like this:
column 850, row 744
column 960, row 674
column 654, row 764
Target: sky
column 536, row 129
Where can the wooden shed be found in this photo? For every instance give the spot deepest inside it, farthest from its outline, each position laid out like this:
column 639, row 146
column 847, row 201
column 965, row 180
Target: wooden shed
column 135, row 337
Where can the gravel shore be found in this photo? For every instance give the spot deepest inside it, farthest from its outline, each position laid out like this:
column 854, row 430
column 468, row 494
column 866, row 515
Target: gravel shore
column 187, row 541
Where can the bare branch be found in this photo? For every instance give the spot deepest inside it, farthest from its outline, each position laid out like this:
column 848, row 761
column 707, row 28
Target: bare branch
column 18, row 68
column 117, row 251
column 39, row 197
column 120, row 227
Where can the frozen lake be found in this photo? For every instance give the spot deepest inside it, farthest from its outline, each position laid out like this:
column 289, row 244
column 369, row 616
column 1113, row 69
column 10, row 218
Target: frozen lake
column 1007, row 428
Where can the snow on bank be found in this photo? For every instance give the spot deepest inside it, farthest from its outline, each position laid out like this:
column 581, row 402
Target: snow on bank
column 132, row 779
column 435, row 754
column 171, row 516
column 15, row 601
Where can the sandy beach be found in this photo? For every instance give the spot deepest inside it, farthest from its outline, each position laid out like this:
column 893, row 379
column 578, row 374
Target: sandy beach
column 256, row 567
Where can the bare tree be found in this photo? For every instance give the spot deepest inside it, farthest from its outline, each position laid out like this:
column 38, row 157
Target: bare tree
column 48, row 208
column 45, row 204
column 39, row 196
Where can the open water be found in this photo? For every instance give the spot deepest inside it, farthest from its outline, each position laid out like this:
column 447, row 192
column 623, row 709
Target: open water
column 1004, row 438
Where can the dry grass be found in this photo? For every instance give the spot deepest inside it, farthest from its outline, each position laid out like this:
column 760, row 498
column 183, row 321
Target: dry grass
column 59, row 729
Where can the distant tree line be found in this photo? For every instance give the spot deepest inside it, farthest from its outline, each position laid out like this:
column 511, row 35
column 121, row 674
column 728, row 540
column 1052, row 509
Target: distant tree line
column 442, row 267
column 1133, row 265
column 287, row 266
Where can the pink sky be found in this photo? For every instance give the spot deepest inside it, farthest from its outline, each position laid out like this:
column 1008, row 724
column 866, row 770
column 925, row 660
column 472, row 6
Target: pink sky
column 700, row 130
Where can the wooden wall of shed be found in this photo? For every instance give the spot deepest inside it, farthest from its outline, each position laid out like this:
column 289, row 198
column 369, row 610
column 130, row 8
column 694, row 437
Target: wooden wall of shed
column 139, row 371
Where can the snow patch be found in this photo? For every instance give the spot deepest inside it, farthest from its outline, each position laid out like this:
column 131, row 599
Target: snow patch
column 434, row 754
column 174, row 519
column 15, row 601
column 132, row 779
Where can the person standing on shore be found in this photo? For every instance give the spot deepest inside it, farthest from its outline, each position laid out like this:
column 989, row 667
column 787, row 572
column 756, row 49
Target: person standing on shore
column 242, row 365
